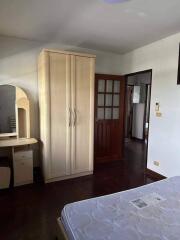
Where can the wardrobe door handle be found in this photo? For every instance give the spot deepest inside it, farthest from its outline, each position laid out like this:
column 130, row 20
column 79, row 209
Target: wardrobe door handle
column 75, row 117
column 69, row 117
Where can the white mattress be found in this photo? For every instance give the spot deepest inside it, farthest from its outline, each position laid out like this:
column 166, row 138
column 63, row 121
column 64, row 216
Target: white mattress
column 116, row 216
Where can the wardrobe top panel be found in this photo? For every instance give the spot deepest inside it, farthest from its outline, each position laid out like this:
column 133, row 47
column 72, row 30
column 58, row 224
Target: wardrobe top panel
column 69, row 53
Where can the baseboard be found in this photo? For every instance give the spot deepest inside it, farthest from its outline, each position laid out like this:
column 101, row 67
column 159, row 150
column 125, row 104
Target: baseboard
column 19, row 184
column 68, row 177
column 154, row 175
column 137, row 139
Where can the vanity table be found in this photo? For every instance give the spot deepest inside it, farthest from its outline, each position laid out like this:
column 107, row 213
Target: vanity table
column 15, row 140
column 21, row 159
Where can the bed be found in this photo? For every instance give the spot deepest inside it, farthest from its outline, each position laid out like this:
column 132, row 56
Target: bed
column 150, row 212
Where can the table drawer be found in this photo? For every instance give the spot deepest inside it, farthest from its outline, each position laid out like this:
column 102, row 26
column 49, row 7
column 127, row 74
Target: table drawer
column 23, row 155
column 23, row 167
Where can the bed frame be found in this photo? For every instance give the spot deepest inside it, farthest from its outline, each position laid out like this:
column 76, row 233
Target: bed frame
column 60, row 231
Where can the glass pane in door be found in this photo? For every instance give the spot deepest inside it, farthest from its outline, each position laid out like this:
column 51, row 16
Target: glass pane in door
column 108, row 113
column 115, row 113
column 116, row 100
column 108, row 100
column 101, row 86
column 109, row 85
column 116, row 86
column 100, row 100
column 100, row 113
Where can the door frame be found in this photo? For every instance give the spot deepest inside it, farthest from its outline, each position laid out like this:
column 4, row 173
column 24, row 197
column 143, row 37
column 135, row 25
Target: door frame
column 126, row 78
column 111, row 77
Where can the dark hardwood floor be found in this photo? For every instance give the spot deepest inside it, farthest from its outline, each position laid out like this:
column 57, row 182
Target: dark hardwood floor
column 30, row 212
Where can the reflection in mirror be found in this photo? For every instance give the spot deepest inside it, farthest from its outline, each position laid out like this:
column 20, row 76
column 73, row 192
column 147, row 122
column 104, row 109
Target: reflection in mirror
column 7, row 109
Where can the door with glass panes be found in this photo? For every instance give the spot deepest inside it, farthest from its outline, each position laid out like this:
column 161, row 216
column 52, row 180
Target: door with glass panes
column 109, row 117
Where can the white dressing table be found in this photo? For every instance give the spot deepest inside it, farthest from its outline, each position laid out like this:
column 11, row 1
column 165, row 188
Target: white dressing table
column 15, row 140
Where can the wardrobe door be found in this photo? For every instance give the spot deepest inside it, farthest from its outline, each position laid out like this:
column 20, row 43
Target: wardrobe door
column 59, row 65
column 43, row 85
column 82, row 93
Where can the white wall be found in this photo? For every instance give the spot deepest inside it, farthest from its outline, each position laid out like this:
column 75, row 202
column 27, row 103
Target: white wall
column 164, row 142
column 18, row 66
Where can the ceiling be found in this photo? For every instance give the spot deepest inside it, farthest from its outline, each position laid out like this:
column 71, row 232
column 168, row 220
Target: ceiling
column 91, row 23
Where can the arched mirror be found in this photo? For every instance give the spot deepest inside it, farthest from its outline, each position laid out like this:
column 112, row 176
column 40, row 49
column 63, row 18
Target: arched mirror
column 14, row 112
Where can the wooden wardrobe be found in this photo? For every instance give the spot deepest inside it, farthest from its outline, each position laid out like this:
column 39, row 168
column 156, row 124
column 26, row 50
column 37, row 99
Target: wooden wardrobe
column 66, row 98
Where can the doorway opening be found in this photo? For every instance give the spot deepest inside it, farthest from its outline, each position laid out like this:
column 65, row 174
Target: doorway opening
column 137, row 115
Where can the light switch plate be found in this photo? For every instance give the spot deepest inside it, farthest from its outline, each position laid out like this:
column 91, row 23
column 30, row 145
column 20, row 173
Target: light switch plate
column 157, row 107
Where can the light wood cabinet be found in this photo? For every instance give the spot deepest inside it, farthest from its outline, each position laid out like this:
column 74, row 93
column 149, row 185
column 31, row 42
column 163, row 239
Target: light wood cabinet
column 66, row 97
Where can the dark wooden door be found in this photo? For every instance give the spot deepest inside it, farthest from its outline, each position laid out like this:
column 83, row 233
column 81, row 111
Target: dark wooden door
column 109, row 117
